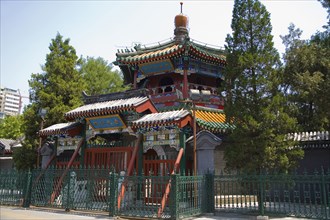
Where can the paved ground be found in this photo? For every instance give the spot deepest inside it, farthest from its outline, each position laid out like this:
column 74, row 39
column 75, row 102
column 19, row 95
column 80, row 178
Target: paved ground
column 17, row 213
column 233, row 216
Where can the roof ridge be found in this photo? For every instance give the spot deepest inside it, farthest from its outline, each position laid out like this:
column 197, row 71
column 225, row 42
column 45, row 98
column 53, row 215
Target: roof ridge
column 208, row 49
column 139, row 51
column 114, row 96
column 209, row 109
column 165, row 44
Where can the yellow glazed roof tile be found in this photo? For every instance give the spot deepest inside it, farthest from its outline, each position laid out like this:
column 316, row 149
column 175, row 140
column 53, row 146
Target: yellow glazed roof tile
column 211, row 120
column 211, row 116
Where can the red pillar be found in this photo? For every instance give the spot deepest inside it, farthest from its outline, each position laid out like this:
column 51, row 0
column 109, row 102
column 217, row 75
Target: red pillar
column 185, row 83
column 135, row 79
column 185, row 78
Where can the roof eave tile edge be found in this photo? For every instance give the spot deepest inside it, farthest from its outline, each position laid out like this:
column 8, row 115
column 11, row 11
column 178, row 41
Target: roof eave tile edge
column 55, row 132
column 221, row 59
column 140, row 50
column 208, row 127
column 176, row 52
column 82, row 115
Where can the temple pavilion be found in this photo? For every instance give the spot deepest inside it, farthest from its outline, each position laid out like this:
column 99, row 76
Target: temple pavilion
column 170, row 120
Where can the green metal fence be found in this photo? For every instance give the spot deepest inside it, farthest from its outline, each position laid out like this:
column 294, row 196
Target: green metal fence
column 13, row 186
column 79, row 189
column 99, row 189
column 142, row 196
column 306, row 195
column 190, row 195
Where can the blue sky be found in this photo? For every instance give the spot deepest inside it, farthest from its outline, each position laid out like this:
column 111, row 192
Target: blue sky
column 99, row 28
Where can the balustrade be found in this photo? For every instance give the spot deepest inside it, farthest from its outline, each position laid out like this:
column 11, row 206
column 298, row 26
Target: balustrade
column 170, row 92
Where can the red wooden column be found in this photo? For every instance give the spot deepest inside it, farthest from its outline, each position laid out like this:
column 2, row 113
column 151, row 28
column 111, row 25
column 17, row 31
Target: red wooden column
column 135, row 79
column 185, row 75
column 185, row 83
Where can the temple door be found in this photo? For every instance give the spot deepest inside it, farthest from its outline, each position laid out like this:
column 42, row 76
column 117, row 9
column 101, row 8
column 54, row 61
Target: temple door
column 152, row 169
column 150, row 164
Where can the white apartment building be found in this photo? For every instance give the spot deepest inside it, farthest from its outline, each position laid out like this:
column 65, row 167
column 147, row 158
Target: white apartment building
column 10, row 102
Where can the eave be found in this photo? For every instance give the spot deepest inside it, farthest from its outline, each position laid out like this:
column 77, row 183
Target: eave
column 138, row 104
column 70, row 128
column 178, row 118
column 212, row 120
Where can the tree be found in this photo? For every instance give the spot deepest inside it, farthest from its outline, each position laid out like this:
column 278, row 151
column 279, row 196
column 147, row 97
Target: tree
column 326, row 5
column 11, row 127
column 99, row 77
column 323, row 37
column 255, row 102
column 58, row 89
column 25, row 157
column 307, row 78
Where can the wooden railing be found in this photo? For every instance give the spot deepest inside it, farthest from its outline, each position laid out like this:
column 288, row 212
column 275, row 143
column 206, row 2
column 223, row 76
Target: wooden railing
column 171, row 93
column 172, row 89
column 213, row 90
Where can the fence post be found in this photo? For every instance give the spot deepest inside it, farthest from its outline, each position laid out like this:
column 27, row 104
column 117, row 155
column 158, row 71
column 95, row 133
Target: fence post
column 174, row 196
column 324, row 194
column 27, row 191
column 113, row 185
column 71, row 189
column 209, row 193
column 261, row 195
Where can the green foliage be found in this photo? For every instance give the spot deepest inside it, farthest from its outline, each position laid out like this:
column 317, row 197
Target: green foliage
column 254, row 100
column 25, row 157
column 307, row 79
column 58, row 89
column 11, row 127
column 31, row 124
column 99, row 77
column 326, row 5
